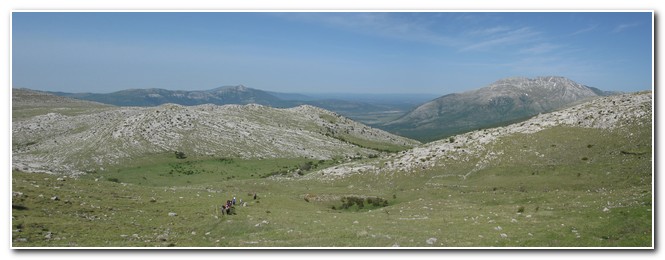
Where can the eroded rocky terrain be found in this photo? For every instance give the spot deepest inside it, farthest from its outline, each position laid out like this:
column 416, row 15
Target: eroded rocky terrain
column 75, row 144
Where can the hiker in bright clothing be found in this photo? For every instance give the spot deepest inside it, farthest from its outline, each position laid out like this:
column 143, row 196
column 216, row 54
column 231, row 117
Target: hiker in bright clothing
column 234, row 200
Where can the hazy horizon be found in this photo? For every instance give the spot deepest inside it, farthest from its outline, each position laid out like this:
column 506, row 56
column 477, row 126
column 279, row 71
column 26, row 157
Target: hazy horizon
column 327, row 52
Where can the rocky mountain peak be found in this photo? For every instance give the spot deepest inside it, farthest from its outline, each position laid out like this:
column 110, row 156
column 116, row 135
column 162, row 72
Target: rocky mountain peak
column 238, row 88
column 504, row 101
column 538, row 84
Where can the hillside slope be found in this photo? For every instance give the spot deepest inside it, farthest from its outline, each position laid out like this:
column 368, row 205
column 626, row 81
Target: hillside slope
column 501, row 102
column 73, row 144
column 479, row 149
column 27, row 103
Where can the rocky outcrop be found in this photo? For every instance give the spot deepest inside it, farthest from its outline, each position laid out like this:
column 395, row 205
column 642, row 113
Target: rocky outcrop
column 74, row 144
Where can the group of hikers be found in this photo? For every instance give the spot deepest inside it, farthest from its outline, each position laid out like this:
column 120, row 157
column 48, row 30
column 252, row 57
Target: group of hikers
column 228, row 208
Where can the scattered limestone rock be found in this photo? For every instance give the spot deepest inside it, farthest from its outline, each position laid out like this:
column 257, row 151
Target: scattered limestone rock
column 163, row 237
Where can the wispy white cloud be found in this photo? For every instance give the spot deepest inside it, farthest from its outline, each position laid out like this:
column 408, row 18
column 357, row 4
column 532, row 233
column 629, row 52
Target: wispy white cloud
column 490, row 31
column 622, row 27
column 584, row 30
column 381, row 24
column 509, row 37
column 428, row 29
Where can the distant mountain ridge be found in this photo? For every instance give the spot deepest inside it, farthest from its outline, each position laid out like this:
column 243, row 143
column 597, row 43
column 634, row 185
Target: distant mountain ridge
column 239, row 95
column 502, row 102
column 365, row 108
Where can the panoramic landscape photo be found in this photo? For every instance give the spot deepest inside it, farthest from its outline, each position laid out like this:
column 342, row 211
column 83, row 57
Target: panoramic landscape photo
column 332, row 130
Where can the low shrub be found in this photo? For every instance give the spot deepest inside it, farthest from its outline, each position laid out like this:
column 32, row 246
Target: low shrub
column 180, row 155
column 350, row 201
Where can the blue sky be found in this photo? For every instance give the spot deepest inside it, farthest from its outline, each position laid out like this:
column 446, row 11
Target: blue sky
column 355, row 52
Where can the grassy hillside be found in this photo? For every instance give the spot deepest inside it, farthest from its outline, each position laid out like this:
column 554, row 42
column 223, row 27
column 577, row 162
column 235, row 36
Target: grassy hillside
column 599, row 196
column 28, row 103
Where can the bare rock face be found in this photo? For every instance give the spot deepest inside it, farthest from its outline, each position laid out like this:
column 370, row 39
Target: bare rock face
column 499, row 103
